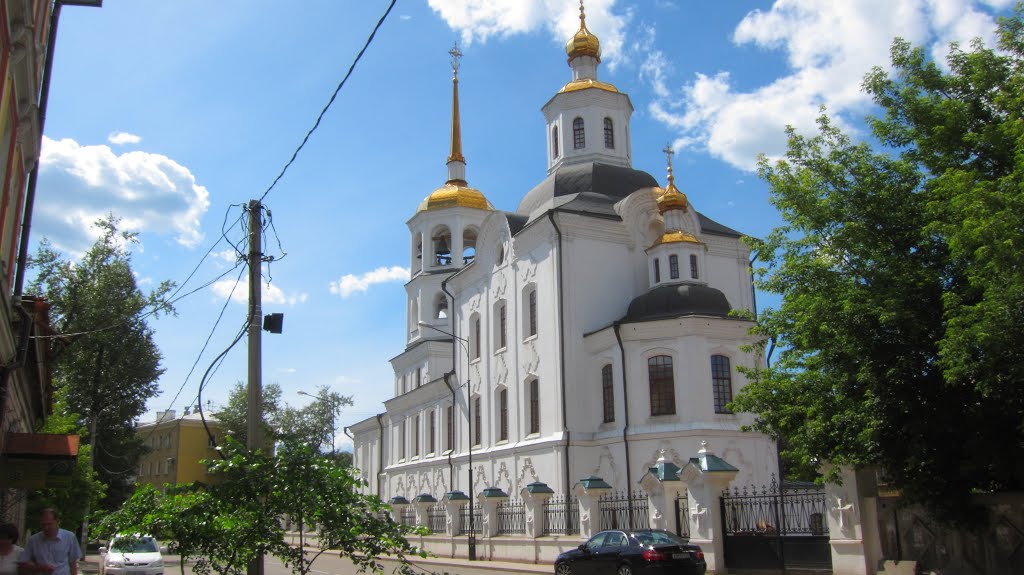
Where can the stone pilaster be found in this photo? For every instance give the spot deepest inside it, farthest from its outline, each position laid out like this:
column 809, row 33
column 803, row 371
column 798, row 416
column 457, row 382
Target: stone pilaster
column 534, row 496
column 588, row 491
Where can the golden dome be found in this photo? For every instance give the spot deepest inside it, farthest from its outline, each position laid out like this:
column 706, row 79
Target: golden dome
column 583, row 43
column 676, row 236
column 588, row 83
column 455, row 195
column 673, row 199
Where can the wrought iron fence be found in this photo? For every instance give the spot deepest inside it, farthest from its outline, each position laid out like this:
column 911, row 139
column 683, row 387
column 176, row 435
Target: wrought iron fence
column 683, row 515
column 437, row 518
column 477, row 522
column 408, row 517
column 769, row 510
column 511, row 517
column 561, row 516
column 624, row 510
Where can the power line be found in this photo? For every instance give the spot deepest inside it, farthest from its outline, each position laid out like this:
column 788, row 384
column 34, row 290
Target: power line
column 331, row 100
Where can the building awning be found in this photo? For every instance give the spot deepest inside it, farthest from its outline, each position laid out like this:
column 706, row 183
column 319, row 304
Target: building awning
column 38, row 460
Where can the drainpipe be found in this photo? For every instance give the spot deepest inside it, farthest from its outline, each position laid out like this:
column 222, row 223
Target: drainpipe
column 447, row 376
column 380, row 454
column 625, row 407
column 561, row 351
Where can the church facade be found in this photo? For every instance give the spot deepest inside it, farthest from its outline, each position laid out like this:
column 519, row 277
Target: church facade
column 597, row 327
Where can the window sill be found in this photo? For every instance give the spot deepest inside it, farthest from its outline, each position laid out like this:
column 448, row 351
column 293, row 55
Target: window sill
column 500, row 350
column 533, row 435
column 415, row 458
column 530, row 338
column 478, row 446
column 446, row 451
column 431, row 454
column 502, row 442
column 475, row 360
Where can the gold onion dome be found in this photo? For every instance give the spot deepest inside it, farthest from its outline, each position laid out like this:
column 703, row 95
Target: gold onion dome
column 675, row 237
column 455, row 195
column 584, row 43
column 672, row 199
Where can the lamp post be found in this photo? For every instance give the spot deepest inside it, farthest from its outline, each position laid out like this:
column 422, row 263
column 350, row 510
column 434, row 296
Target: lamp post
column 330, row 400
column 471, row 536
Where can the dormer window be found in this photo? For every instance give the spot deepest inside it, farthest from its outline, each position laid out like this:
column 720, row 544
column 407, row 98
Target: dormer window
column 579, row 139
column 554, row 143
column 609, row 134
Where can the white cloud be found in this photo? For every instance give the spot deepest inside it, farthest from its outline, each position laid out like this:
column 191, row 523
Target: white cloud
column 81, row 184
column 479, row 20
column 349, row 284
column 271, row 294
column 829, row 47
column 121, row 138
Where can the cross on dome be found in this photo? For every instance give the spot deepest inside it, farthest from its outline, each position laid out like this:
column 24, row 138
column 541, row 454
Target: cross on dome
column 456, row 55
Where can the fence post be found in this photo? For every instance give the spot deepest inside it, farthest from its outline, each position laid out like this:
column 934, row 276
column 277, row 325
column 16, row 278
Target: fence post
column 588, row 492
column 853, row 522
column 397, row 503
column 422, row 503
column 534, row 496
column 706, row 478
column 454, row 501
column 489, row 499
column 662, row 485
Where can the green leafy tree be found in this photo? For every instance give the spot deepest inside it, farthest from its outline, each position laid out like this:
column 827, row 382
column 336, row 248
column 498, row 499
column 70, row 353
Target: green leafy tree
column 314, row 424
column 109, row 365
column 901, row 327
column 227, row 524
column 234, row 416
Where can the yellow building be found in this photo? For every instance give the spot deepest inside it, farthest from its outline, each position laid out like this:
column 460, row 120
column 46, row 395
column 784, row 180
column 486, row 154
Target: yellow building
column 177, row 446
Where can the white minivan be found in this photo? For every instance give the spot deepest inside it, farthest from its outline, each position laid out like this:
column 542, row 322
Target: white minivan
column 132, row 555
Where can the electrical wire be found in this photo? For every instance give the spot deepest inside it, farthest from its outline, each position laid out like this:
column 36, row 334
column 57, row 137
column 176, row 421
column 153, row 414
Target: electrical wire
column 202, row 382
column 331, row 100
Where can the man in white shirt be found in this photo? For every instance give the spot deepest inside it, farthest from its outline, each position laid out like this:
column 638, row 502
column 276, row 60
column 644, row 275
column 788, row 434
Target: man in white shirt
column 52, row 551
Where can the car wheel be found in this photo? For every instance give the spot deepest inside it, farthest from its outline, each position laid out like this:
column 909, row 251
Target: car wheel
column 563, row 569
column 625, row 570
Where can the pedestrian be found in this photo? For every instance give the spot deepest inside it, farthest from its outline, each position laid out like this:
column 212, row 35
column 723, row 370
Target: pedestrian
column 9, row 552
column 52, row 551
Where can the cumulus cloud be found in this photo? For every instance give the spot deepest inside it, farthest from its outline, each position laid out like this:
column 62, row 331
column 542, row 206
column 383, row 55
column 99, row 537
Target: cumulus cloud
column 349, row 284
column 271, row 294
column 829, row 47
column 122, row 138
column 80, row 184
column 479, row 20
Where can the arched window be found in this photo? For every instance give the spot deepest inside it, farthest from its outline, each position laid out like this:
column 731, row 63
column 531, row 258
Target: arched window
column 440, row 306
column 579, row 139
column 449, row 422
column 401, row 440
column 418, row 377
column 529, row 307
column 474, row 342
column 657, row 270
column 414, row 317
column 673, row 267
column 503, row 415
column 468, row 245
column 721, row 381
column 534, row 402
column 693, row 267
column 663, row 386
column 609, row 134
column 442, row 240
column 477, row 421
column 500, row 325
column 607, row 394
column 416, row 436
column 554, row 143
column 432, row 436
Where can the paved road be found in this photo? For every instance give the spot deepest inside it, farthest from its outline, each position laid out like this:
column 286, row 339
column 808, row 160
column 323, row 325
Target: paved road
column 333, row 565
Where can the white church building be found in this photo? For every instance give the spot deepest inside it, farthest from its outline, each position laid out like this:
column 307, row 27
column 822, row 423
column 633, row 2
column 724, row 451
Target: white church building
column 588, row 331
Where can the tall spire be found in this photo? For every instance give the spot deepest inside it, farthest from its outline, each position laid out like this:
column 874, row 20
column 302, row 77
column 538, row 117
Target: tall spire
column 672, row 198
column 456, row 161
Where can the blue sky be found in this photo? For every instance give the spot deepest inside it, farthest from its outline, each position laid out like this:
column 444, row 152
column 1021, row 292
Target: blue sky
column 169, row 113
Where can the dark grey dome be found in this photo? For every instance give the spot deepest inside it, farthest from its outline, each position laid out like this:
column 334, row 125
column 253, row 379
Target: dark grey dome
column 677, row 300
column 598, row 181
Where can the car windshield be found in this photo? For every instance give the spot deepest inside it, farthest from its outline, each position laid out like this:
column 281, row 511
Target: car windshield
column 134, row 545
column 658, row 538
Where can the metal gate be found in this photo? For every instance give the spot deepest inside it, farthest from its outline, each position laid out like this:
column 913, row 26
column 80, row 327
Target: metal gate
column 775, row 528
column 624, row 510
column 683, row 515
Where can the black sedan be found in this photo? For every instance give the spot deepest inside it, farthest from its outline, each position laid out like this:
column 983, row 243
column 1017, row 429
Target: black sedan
column 640, row 552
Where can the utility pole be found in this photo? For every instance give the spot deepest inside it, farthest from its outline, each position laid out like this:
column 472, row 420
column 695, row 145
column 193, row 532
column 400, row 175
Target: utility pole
column 255, row 419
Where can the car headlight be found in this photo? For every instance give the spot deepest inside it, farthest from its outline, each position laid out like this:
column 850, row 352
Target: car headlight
column 157, row 563
column 115, row 563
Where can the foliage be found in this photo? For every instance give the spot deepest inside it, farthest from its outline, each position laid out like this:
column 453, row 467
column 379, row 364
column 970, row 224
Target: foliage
column 110, row 364
column 240, row 515
column 234, row 416
column 314, row 424
column 902, row 320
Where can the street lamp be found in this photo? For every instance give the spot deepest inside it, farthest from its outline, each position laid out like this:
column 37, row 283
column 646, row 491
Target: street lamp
column 330, row 400
column 471, row 536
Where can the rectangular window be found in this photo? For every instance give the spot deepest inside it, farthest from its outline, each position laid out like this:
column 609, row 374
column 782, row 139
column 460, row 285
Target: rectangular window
column 476, row 338
column 662, row 382
column 503, row 324
column 673, row 267
column 419, row 377
column 533, row 312
column 401, row 441
column 607, row 394
column 693, row 267
column 450, row 430
column 477, row 422
column 535, row 406
column 609, row 134
column 657, row 270
column 579, row 140
column 433, row 431
column 503, row 415
column 416, row 436
column 721, row 381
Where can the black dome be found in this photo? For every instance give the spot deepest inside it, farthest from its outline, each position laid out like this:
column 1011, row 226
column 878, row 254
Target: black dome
column 605, row 181
column 677, row 300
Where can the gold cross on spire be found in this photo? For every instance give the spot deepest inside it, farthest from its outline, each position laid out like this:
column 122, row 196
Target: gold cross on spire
column 669, row 152
column 455, row 54
column 583, row 16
